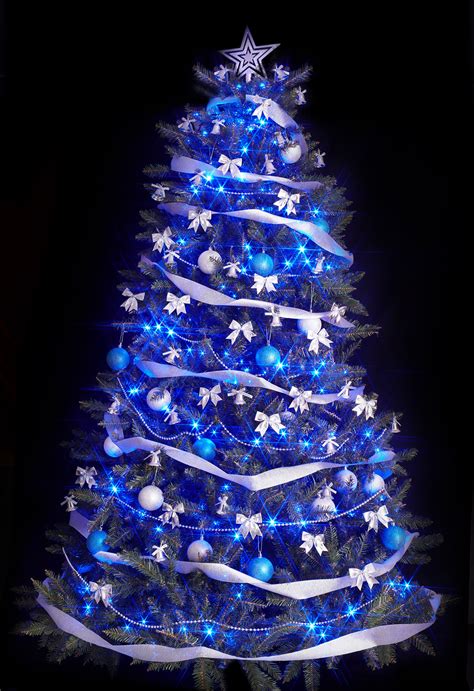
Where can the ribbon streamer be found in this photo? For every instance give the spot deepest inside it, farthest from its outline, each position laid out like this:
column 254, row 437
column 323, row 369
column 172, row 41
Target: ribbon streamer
column 185, row 164
column 269, row 478
column 152, row 652
column 296, row 590
column 158, row 370
column 319, row 236
column 209, row 296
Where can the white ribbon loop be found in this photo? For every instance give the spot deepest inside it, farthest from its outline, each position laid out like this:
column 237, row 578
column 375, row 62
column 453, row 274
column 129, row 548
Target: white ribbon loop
column 364, row 405
column 373, row 518
column 267, row 421
column 170, row 514
column 231, row 165
column 176, row 304
column 249, row 525
column 288, row 201
column 310, row 541
column 236, row 328
column 366, row 574
column 264, row 283
column 199, row 217
column 209, row 395
column 131, row 303
column 101, row 592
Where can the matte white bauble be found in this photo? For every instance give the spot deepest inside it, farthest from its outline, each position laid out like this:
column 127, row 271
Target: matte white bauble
column 209, row 262
column 111, row 448
column 373, row 483
column 158, row 399
column 291, row 152
column 323, row 506
column 312, row 324
column 150, row 498
column 199, row 550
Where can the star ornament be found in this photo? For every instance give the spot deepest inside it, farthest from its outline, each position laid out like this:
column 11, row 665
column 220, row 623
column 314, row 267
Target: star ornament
column 248, row 58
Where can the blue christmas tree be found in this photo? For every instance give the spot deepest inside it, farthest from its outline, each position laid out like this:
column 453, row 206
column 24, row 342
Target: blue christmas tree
column 238, row 494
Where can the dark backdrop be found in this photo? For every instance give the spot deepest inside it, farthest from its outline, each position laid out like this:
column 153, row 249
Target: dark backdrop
column 388, row 102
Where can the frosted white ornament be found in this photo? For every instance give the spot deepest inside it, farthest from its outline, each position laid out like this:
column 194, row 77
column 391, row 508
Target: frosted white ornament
column 345, row 480
column 291, row 152
column 324, row 507
column 373, row 483
column 209, row 262
column 312, row 324
column 158, row 399
column 199, row 550
column 111, row 448
column 150, row 498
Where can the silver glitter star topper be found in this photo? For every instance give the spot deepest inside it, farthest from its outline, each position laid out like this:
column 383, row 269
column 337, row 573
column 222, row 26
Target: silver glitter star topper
column 248, row 59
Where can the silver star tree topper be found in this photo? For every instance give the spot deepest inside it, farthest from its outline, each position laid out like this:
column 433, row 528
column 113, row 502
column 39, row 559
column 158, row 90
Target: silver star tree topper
column 248, row 59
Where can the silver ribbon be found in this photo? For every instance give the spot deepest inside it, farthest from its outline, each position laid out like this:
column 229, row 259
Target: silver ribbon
column 366, row 574
column 170, row 514
column 176, row 303
column 209, row 394
column 236, row 328
column 86, row 476
column 264, row 283
column 101, row 592
column 308, row 228
column 364, row 405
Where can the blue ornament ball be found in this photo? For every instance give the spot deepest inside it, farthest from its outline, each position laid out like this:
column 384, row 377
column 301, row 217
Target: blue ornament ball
column 262, row 264
column 393, row 537
column 117, row 359
column 96, row 541
column 373, row 483
column 205, row 448
column 261, row 568
column 323, row 224
column 267, row 356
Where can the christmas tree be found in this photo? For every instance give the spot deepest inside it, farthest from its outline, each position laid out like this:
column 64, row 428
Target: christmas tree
column 238, row 494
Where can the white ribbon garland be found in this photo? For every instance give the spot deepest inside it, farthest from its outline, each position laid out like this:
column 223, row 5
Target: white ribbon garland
column 184, row 164
column 159, row 370
column 316, row 233
column 209, row 296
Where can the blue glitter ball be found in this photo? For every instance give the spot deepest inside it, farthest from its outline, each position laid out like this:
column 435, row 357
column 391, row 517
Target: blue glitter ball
column 96, row 541
column 262, row 264
column 267, row 356
column 393, row 537
column 323, row 224
column 260, row 568
column 205, row 448
column 118, row 359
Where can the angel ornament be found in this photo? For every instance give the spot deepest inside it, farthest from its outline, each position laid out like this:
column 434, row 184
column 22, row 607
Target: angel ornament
column 222, row 505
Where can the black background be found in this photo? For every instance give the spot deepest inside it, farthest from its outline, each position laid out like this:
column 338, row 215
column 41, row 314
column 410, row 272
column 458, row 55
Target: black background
column 389, row 103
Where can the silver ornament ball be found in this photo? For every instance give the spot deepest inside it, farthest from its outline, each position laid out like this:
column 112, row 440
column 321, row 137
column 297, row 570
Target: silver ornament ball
column 199, row 550
column 323, row 506
column 291, row 152
column 210, row 262
column 373, row 483
column 150, row 498
column 158, row 399
column 345, row 480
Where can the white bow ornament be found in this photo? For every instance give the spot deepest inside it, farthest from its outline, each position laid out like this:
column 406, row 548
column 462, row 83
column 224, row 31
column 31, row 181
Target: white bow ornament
column 199, row 217
column 310, row 541
column 263, row 110
column 186, row 124
column 177, row 303
column 264, row 282
column 131, row 303
column 317, row 337
column 364, row 405
column 287, row 200
column 337, row 312
column 373, row 518
column 236, row 328
column 170, row 514
column 361, row 575
column 249, row 525
column 300, row 399
column 162, row 240
column 230, row 164
column 86, row 476
column 101, row 592
column 209, row 394
column 267, row 421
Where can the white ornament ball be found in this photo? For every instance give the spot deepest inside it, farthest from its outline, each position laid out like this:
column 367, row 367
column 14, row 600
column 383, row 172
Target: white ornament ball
column 199, row 550
column 111, row 448
column 158, row 399
column 373, row 483
column 345, row 480
column 291, row 153
column 312, row 324
column 210, row 262
column 323, row 506
column 150, row 498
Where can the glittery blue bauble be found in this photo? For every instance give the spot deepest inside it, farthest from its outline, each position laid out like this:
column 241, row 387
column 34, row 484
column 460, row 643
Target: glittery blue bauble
column 267, row 356
column 323, row 224
column 96, row 541
column 260, row 568
column 118, row 359
column 205, row 448
column 393, row 537
column 373, row 483
column 262, row 264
